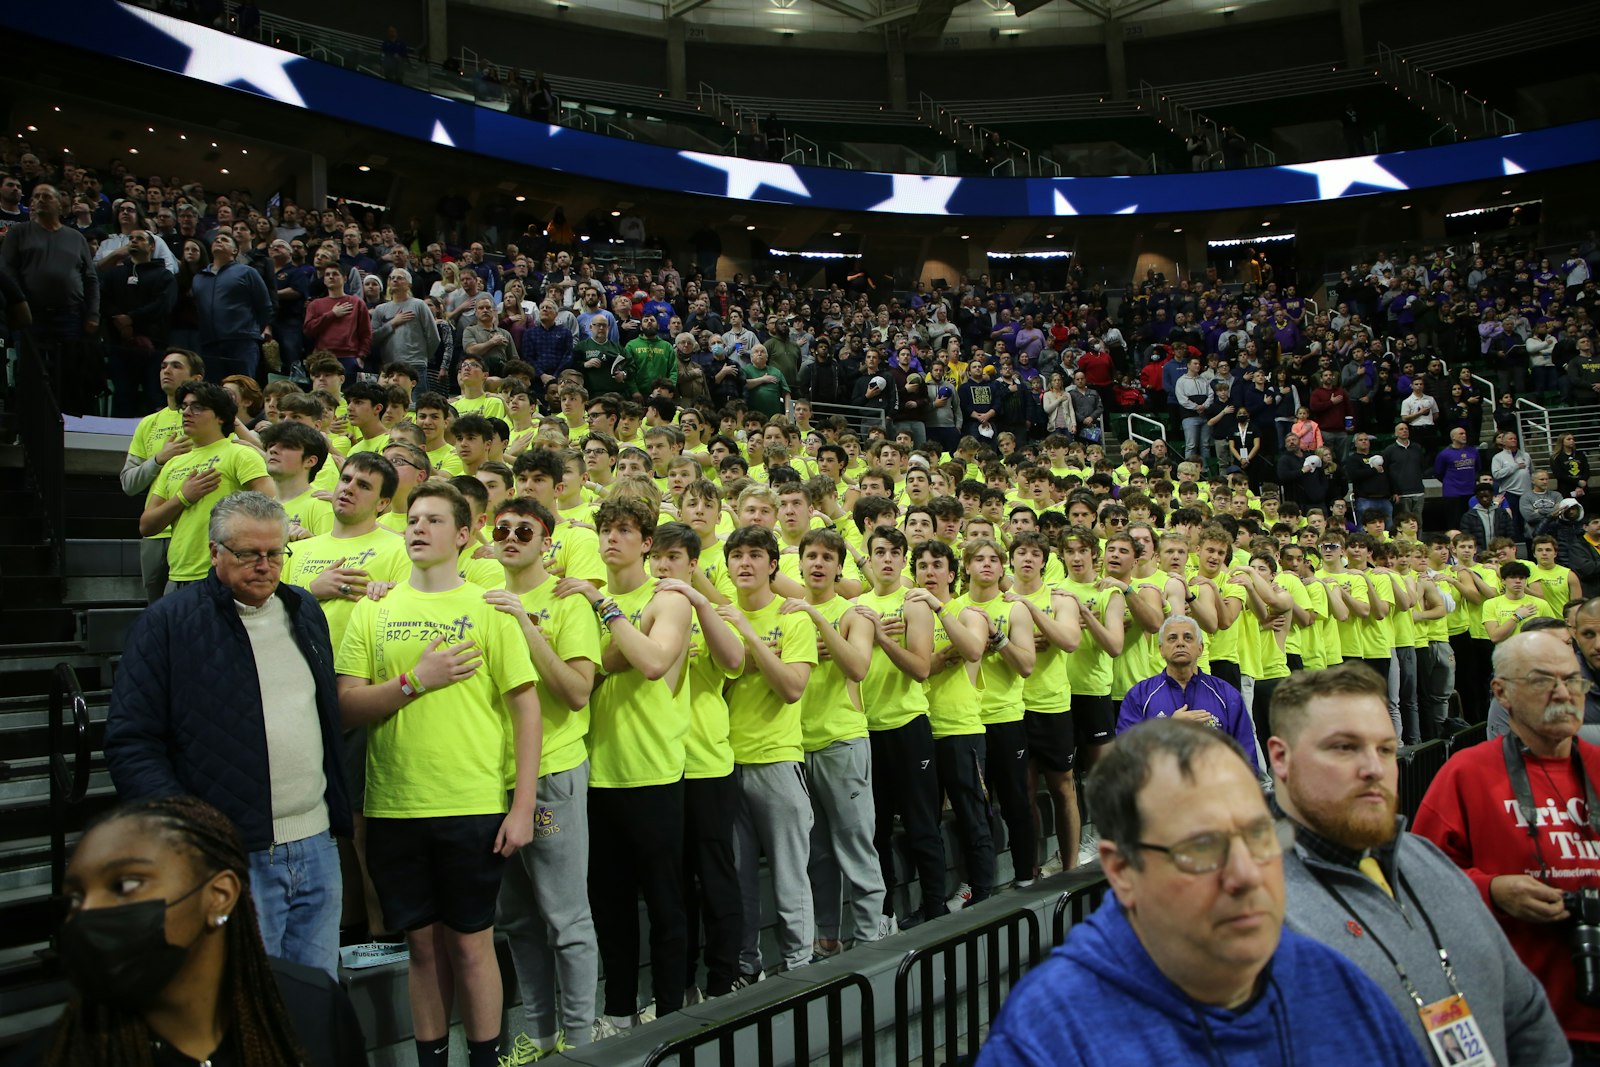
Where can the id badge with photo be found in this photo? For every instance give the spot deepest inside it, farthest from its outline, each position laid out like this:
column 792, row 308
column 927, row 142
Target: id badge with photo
column 1453, row 1033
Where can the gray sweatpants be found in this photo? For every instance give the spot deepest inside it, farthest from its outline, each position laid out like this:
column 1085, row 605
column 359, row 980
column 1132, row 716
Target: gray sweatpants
column 153, row 567
column 544, row 911
column 842, row 854
column 1436, row 680
column 774, row 818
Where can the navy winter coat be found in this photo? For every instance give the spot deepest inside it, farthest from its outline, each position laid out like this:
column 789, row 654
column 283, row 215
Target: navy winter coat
column 186, row 715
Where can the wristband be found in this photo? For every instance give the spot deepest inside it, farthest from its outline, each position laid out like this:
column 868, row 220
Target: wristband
column 611, row 614
column 602, row 604
column 409, row 686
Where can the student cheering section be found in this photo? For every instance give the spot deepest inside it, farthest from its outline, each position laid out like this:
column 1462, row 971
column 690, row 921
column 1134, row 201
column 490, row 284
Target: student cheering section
column 676, row 642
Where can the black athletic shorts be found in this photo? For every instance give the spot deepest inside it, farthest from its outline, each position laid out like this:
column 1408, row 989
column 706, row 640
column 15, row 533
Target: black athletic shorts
column 1094, row 719
column 441, row 869
column 1050, row 739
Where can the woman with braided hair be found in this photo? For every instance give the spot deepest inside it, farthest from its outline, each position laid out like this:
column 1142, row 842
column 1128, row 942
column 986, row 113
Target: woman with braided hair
column 162, row 948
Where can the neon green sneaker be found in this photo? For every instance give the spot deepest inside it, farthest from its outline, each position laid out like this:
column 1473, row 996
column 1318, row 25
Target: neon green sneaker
column 523, row 1052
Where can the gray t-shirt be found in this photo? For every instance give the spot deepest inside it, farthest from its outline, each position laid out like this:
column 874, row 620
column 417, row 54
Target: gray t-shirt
column 411, row 342
column 54, row 268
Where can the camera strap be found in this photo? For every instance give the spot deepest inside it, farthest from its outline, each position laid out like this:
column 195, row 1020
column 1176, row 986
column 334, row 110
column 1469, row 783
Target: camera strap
column 1512, row 748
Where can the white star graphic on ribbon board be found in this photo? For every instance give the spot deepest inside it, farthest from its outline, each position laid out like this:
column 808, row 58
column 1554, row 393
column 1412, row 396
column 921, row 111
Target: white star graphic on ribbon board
column 915, row 194
column 1336, row 176
column 441, row 135
column 1131, row 209
column 745, row 176
column 1511, row 168
column 1063, row 205
column 222, row 59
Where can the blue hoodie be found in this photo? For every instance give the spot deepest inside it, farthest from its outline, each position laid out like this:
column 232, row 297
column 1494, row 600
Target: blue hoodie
column 1099, row 1000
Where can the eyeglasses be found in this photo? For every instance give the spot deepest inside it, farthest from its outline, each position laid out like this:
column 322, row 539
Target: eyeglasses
column 1265, row 840
column 274, row 557
column 523, row 534
column 1541, row 682
column 399, row 462
column 189, row 409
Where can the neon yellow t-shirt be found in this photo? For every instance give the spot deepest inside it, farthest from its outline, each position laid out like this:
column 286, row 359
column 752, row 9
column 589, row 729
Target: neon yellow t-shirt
column 379, row 552
column 714, row 565
column 1224, row 644
column 444, row 753
column 1047, row 690
column 1141, row 655
column 1377, row 636
column 954, row 702
column 369, row 444
column 489, row 405
column 1350, row 643
column 999, row 683
column 1550, row 584
column 1313, row 645
column 1298, row 637
column 708, row 752
column 1491, row 576
column 637, row 727
column 573, row 631
column 444, row 458
column 891, row 697
column 189, row 554
column 1502, row 608
column 574, row 552
column 1089, row 667
column 761, row 726
column 831, row 708
column 150, row 437
column 1402, row 628
column 310, row 513
column 485, row 572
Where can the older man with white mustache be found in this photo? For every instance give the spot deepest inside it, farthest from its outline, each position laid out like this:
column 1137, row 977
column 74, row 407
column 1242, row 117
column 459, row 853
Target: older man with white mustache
column 1519, row 816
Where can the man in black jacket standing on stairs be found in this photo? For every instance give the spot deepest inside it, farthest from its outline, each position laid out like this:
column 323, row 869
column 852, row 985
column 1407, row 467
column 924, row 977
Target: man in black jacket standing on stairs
column 226, row 692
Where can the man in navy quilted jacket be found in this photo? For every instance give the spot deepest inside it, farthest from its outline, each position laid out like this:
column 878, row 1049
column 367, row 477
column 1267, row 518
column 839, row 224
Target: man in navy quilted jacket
column 226, row 692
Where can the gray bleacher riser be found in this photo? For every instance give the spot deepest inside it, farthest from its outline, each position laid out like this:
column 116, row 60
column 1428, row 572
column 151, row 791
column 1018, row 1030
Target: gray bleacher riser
column 89, row 557
column 105, row 630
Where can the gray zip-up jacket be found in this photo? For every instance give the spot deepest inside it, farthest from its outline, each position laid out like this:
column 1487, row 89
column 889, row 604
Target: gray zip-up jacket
column 1509, row 1004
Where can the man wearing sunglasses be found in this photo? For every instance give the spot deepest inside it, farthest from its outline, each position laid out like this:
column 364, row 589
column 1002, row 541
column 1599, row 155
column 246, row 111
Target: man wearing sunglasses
column 1518, row 816
column 1188, row 952
column 544, row 897
column 228, row 694
column 1334, row 755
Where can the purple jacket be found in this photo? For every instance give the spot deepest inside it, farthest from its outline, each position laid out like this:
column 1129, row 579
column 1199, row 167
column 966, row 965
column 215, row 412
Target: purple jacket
column 1157, row 697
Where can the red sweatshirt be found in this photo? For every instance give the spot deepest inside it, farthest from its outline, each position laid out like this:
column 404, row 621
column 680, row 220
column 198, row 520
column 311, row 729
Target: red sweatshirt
column 347, row 335
column 1471, row 813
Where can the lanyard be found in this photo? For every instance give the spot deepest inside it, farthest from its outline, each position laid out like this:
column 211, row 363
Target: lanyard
column 1405, row 979
column 1517, row 771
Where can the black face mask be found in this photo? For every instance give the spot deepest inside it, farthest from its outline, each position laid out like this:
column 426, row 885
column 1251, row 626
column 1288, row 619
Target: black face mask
column 120, row 956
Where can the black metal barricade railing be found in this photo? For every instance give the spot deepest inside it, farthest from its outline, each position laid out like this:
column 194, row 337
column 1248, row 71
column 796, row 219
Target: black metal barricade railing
column 1418, row 765
column 1472, row 735
column 976, row 976
column 1075, row 905
column 793, row 1011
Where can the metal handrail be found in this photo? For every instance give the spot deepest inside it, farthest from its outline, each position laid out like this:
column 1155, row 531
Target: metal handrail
column 1076, row 905
column 1539, row 421
column 1161, row 428
column 69, row 782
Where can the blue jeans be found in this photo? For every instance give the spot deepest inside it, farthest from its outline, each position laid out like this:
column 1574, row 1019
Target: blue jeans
column 1196, row 437
column 236, row 356
column 299, row 893
column 1365, row 504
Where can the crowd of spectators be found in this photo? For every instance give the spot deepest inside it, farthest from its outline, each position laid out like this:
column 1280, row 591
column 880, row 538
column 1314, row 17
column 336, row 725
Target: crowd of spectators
column 553, row 434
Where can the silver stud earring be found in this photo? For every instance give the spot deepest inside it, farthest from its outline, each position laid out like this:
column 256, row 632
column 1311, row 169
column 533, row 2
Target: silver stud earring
column 222, row 920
